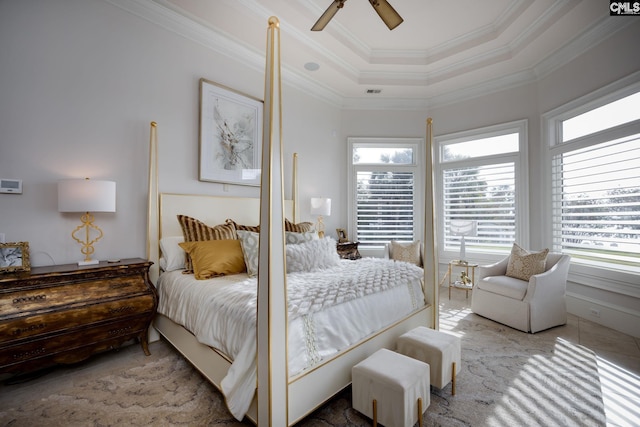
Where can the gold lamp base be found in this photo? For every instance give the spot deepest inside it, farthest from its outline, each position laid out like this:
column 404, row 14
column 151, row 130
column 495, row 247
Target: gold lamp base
column 87, row 243
column 320, row 227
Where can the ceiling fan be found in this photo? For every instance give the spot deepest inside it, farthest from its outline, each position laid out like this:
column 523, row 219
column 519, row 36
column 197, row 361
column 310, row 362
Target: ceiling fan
column 387, row 13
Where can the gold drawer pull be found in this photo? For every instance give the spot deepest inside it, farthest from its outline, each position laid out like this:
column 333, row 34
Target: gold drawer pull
column 20, row 331
column 29, row 299
column 120, row 331
column 28, row 354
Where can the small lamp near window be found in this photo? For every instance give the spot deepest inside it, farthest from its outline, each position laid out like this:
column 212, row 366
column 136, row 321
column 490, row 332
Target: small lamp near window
column 85, row 195
column 463, row 228
column 322, row 207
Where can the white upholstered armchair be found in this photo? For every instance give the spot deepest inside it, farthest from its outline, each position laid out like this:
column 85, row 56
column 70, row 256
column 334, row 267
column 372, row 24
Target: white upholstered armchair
column 529, row 306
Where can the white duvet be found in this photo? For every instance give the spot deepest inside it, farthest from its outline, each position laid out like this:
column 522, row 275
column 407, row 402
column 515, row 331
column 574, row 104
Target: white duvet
column 370, row 293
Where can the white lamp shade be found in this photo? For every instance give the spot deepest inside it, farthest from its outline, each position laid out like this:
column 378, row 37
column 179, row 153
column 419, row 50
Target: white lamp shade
column 464, row 228
column 86, row 195
column 320, row 206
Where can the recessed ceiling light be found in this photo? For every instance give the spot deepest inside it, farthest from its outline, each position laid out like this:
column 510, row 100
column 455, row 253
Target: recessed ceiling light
column 374, row 90
column 311, row 66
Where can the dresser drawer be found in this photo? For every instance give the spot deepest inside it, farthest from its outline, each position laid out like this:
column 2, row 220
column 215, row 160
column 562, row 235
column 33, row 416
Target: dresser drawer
column 65, row 348
column 28, row 326
column 31, row 300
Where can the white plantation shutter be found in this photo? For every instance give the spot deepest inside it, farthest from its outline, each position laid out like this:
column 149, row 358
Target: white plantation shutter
column 484, row 194
column 482, row 178
column 596, row 203
column 384, row 190
column 384, row 206
column 594, row 153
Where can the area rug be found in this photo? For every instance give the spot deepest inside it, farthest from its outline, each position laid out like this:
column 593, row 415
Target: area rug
column 508, row 378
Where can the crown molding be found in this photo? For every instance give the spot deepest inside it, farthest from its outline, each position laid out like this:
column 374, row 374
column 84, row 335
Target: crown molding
column 600, row 31
column 221, row 43
column 160, row 13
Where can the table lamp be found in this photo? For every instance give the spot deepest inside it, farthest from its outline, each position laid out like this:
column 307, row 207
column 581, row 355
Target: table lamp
column 85, row 195
column 320, row 206
column 463, row 228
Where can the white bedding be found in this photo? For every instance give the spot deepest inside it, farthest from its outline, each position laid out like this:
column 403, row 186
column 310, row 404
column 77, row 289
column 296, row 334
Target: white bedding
column 329, row 310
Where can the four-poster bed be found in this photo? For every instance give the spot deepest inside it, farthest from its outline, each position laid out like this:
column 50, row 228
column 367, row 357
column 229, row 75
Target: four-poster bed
column 286, row 392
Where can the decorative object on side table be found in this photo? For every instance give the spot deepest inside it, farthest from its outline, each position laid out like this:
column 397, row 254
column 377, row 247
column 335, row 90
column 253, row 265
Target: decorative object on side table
column 14, row 257
column 63, row 314
column 85, row 195
column 230, row 135
column 464, row 282
column 342, row 235
column 348, row 250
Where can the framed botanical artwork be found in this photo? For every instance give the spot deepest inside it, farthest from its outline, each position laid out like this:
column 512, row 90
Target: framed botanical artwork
column 14, row 257
column 230, row 135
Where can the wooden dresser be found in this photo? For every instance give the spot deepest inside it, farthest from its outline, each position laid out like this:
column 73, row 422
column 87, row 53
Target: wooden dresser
column 65, row 313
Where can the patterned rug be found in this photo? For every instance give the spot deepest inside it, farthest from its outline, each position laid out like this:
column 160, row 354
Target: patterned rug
column 508, row 378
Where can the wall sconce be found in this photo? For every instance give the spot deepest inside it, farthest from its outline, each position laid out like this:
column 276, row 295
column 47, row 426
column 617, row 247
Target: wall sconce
column 463, row 228
column 320, row 206
column 85, row 195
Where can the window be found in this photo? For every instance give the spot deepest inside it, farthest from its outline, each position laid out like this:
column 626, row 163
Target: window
column 481, row 178
column 384, row 185
column 594, row 154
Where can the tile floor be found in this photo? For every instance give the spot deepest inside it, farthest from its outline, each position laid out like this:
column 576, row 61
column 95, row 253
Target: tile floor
column 618, row 360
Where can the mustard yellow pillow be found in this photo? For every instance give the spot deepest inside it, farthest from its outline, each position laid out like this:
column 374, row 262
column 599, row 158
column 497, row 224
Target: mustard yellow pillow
column 524, row 264
column 211, row 258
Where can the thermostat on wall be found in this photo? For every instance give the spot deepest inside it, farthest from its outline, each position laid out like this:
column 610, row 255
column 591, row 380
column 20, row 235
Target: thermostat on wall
column 13, row 186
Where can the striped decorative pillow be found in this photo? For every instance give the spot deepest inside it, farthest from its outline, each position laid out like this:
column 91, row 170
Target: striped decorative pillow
column 196, row 231
column 252, row 228
column 301, row 227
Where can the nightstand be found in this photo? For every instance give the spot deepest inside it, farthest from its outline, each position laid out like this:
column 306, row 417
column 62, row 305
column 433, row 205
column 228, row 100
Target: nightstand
column 348, row 250
column 463, row 266
column 65, row 313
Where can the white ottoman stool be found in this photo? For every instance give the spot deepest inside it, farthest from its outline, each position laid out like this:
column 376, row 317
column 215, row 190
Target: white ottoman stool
column 391, row 388
column 439, row 349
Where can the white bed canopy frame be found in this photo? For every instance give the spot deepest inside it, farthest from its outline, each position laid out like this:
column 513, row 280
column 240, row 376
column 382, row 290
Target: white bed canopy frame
column 280, row 400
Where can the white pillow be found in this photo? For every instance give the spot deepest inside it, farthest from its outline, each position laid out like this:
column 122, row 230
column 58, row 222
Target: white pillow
column 293, row 238
column 249, row 242
column 173, row 256
column 313, row 255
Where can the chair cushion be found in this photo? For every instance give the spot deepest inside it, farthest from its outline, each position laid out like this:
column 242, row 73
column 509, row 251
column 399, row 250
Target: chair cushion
column 524, row 264
column 504, row 285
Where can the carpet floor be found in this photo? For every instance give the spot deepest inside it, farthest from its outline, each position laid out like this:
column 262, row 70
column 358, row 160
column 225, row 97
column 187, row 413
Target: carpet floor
column 508, row 378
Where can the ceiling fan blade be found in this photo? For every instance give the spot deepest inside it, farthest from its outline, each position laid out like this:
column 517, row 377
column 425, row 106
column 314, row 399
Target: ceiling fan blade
column 387, row 13
column 327, row 15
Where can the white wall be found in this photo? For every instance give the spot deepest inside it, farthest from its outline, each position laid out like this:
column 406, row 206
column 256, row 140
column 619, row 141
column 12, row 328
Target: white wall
column 81, row 80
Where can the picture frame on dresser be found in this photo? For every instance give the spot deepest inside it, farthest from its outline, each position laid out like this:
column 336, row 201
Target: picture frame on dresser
column 230, row 135
column 14, row 257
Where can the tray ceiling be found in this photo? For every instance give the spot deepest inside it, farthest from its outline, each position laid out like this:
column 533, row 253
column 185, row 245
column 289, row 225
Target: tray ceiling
column 442, row 52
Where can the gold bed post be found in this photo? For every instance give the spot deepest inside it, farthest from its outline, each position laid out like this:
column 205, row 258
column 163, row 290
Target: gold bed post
column 272, row 299
column 294, row 189
column 153, row 220
column 431, row 250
